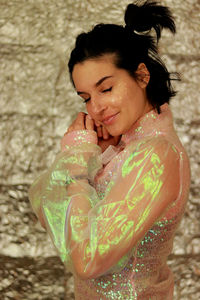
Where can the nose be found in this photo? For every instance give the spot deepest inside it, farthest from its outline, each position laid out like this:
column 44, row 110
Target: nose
column 97, row 105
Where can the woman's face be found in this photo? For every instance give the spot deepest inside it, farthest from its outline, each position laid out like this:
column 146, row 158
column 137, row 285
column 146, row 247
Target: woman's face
column 113, row 98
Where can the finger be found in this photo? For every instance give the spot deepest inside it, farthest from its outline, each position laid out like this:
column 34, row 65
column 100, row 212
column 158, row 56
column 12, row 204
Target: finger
column 71, row 128
column 66, row 132
column 105, row 133
column 89, row 123
column 78, row 123
column 80, row 120
column 117, row 139
column 99, row 131
column 97, row 123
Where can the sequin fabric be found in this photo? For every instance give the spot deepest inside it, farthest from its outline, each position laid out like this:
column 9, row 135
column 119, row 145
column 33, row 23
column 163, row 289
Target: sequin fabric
column 112, row 216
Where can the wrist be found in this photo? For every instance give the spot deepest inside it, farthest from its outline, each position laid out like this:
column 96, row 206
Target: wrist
column 77, row 137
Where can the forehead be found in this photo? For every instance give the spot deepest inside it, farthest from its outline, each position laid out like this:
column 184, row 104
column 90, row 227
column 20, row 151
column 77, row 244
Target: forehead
column 92, row 70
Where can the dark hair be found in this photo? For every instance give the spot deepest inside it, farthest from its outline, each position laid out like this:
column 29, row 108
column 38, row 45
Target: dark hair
column 132, row 45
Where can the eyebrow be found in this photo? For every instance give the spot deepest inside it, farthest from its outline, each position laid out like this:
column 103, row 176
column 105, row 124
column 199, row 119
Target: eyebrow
column 98, row 83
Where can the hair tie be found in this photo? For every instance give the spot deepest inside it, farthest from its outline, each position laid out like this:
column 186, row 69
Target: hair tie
column 129, row 29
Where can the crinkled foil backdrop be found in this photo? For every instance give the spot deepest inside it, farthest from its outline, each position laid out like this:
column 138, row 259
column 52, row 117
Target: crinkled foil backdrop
column 37, row 104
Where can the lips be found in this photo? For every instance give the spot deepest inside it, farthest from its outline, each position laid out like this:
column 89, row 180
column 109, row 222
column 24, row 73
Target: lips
column 109, row 119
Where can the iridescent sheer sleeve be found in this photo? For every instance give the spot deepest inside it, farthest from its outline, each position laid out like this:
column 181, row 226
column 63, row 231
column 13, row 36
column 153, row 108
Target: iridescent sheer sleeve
column 102, row 238
column 95, row 237
column 78, row 162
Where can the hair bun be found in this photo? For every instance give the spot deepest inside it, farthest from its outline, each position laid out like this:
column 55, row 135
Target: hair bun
column 147, row 16
column 131, row 16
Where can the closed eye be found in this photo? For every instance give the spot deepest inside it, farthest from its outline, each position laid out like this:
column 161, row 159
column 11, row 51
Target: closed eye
column 104, row 91
column 86, row 100
column 107, row 90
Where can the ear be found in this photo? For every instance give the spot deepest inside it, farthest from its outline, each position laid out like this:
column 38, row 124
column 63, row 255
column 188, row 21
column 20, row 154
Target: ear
column 143, row 75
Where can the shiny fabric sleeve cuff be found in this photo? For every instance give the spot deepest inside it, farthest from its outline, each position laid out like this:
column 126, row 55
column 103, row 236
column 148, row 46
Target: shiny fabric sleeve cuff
column 77, row 137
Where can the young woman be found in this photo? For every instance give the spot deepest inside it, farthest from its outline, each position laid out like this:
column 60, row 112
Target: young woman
column 116, row 193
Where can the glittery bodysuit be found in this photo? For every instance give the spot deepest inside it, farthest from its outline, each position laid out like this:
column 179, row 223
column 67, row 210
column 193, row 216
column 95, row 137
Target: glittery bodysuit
column 112, row 215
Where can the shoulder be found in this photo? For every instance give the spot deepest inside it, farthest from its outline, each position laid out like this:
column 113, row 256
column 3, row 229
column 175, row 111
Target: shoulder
column 159, row 145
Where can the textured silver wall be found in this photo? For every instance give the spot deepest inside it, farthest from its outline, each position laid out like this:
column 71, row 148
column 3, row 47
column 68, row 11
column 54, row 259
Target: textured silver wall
column 37, row 104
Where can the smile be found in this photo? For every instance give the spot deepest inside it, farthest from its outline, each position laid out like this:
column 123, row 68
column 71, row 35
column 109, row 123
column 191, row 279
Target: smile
column 110, row 120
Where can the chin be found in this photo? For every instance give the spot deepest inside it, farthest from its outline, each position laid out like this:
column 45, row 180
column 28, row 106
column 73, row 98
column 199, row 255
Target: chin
column 116, row 132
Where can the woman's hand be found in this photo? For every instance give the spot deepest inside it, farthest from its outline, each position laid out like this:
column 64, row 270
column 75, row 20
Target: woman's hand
column 84, row 121
column 104, row 138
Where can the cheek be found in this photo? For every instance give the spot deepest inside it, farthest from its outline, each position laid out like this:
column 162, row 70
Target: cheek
column 118, row 98
column 124, row 93
column 115, row 100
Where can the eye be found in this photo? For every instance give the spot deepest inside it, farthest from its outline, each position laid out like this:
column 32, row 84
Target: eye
column 104, row 91
column 86, row 100
column 107, row 90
